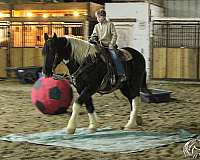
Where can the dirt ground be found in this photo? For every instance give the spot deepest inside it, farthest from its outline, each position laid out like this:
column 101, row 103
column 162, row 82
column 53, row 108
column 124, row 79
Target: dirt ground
column 18, row 115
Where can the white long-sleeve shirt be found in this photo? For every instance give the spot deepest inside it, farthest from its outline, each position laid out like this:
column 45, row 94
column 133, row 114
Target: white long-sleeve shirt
column 106, row 33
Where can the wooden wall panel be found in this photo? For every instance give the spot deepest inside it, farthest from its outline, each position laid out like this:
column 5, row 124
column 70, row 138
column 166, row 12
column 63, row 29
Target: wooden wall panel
column 16, row 57
column 198, row 66
column 182, row 63
column 189, row 64
column 3, row 62
column 159, row 63
column 32, row 57
column 38, row 59
column 175, row 63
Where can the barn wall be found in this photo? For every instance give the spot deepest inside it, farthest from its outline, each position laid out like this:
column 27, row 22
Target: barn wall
column 135, row 34
column 157, row 2
column 182, row 8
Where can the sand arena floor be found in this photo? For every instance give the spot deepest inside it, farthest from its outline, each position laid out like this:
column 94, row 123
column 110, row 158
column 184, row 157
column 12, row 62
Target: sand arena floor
column 18, row 115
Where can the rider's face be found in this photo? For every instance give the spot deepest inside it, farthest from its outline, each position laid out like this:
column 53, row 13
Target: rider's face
column 100, row 19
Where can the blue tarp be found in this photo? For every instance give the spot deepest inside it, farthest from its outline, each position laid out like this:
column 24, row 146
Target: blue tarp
column 106, row 139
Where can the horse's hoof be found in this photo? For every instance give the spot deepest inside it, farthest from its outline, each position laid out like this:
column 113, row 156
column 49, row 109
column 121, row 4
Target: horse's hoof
column 71, row 130
column 92, row 130
column 129, row 128
column 130, row 125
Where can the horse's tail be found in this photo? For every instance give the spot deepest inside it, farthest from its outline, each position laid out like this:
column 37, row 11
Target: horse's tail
column 144, row 87
column 146, row 90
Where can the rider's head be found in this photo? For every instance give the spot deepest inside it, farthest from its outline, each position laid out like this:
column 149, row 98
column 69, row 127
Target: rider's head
column 101, row 15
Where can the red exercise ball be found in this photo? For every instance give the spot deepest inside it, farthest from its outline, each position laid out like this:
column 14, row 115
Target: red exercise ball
column 52, row 96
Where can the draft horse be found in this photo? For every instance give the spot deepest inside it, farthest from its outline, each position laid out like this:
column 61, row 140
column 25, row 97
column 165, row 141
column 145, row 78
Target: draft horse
column 83, row 59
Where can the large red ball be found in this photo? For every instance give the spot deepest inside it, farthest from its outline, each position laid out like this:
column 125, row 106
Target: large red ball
column 52, row 96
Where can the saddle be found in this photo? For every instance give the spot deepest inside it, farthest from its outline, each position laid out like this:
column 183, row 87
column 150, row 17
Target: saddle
column 111, row 81
column 124, row 55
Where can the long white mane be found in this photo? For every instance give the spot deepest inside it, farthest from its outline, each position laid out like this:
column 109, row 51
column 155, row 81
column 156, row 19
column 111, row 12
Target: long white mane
column 81, row 49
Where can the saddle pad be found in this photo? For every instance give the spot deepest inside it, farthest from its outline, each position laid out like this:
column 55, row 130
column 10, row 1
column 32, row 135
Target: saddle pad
column 106, row 139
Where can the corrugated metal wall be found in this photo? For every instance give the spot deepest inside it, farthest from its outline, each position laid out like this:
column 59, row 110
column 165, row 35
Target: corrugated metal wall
column 182, row 8
column 158, row 2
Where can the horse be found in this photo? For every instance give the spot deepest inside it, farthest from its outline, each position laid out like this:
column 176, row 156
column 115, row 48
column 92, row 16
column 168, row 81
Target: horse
column 84, row 59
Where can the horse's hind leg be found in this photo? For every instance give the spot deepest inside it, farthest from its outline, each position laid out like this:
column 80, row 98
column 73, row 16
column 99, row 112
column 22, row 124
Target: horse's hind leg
column 135, row 103
column 134, row 119
column 93, row 124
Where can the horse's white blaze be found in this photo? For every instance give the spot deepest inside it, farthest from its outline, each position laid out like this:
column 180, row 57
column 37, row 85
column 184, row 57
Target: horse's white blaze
column 136, row 105
column 72, row 124
column 92, row 121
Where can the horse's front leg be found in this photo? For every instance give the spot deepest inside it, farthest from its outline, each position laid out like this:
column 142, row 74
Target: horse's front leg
column 134, row 118
column 84, row 97
column 73, row 121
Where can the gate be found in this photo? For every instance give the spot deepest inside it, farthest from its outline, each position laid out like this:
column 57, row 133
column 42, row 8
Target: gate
column 175, row 53
column 21, row 43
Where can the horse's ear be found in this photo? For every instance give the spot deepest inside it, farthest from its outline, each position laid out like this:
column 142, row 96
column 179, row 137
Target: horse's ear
column 46, row 37
column 54, row 36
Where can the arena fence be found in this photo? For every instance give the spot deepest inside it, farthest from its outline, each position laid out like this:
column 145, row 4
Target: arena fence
column 21, row 43
column 31, row 35
column 175, row 53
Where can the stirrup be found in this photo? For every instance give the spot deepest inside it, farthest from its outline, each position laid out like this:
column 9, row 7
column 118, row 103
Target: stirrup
column 113, row 80
column 122, row 78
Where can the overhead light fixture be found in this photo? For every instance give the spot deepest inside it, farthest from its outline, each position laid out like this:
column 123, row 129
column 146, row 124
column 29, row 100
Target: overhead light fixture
column 76, row 13
column 29, row 14
column 85, row 13
column 45, row 15
column 1, row 14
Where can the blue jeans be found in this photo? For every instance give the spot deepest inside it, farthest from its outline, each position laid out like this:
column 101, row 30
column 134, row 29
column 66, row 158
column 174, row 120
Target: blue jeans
column 118, row 63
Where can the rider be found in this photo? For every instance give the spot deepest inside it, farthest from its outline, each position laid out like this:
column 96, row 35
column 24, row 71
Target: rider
column 107, row 36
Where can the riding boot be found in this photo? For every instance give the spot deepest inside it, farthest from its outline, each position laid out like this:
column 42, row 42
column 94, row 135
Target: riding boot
column 119, row 66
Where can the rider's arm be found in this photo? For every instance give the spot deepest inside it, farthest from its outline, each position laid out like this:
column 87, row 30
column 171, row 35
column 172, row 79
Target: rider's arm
column 94, row 34
column 114, row 36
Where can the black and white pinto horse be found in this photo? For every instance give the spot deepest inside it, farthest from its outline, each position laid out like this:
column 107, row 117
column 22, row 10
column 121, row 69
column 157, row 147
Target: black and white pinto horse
column 82, row 56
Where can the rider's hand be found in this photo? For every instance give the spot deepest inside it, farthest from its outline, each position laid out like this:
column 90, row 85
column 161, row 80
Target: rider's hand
column 92, row 41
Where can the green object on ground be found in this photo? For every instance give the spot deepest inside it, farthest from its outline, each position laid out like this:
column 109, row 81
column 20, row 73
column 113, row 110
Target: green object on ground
column 106, row 139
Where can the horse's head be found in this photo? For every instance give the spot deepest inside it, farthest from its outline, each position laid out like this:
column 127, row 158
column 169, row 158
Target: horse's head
column 54, row 51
